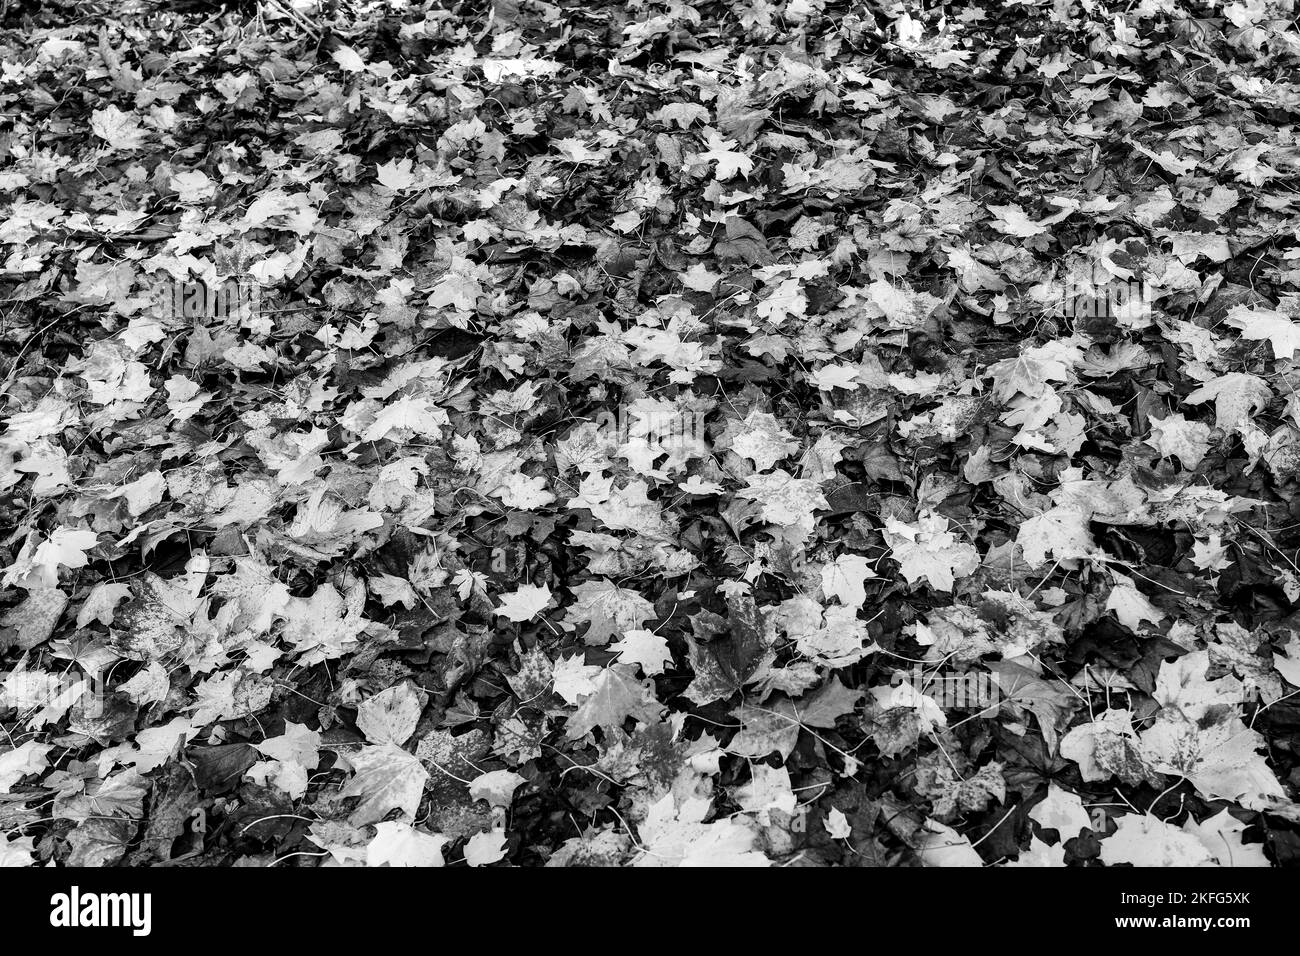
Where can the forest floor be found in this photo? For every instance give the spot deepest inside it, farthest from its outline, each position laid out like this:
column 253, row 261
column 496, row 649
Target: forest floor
column 517, row 433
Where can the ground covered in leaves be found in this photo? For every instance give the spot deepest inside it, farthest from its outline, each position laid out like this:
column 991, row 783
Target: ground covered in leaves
column 661, row 434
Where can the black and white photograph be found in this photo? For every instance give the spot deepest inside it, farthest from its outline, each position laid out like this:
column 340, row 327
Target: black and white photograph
column 582, row 436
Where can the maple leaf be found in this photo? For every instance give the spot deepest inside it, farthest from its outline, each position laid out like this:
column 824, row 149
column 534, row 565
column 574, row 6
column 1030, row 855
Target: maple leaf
column 523, row 603
column 484, row 849
column 120, row 130
column 27, row 758
column 675, row 835
column 1198, row 735
column 729, row 162
column 348, row 59
column 699, row 278
column 764, row 730
column 1061, row 811
column 1288, row 664
column 785, row 499
column 149, row 685
column 760, row 438
column 193, row 186
column 407, row 416
column 160, row 619
column 1210, row 554
column 1183, row 686
column 786, row 299
column 1108, row 746
column 326, row 625
column 595, row 847
column 951, row 792
column 899, row 715
column 524, row 492
column 682, row 114
column 1219, row 759
column 344, row 843
column 1144, row 840
column 1237, row 396
column 1040, row 854
column 535, row 675
column 459, row 289
column 1014, row 221
column 616, row 695
column 386, row 778
column 723, row 665
column 1176, row 437
column 927, row 549
column 214, row 699
column 1131, row 605
column 37, row 565
column 1061, row 531
column 825, row 706
column 630, row 509
column 1276, row 327
column 940, row 845
column 768, row 789
column 325, row 527
column 395, row 175
column 297, row 745
column 831, row 635
column 1001, row 623
column 608, row 610
column 391, row 715
column 469, row 582
column 143, row 493
column 259, row 596
column 837, row 825
column 391, row 589
column 830, row 377
column 154, row 746
column 33, row 621
column 101, row 602
column 644, row 648
column 1027, row 374
column 40, row 696
column 576, row 151
column 397, row 843
column 844, row 579
column 496, row 787
column 574, row 679
column 1221, row 837
column 1051, row 701
column 17, row 851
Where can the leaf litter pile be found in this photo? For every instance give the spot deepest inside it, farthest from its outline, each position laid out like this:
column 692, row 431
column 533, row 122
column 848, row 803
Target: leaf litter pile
column 650, row 434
